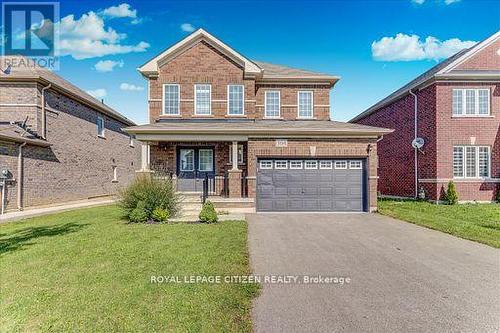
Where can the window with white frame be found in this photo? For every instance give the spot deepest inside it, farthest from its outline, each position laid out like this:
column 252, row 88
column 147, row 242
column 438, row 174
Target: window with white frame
column 171, row 99
column 354, row 164
column 272, row 104
column 295, row 165
column 280, row 164
column 325, row 164
column 340, row 164
column 266, row 164
column 115, row 174
column 235, row 99
column 240, row 154
column 100, row 126
column 202, row 99
column 131, row 141
column 471, row 102
column 206, row 160
column 471, row 161
column 305, row 104
column 311, row 164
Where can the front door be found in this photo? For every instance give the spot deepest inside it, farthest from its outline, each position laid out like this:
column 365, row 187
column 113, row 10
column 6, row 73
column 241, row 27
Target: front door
column 193, row 164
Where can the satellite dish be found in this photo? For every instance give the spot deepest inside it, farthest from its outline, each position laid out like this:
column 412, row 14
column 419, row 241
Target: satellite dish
column 418, row 143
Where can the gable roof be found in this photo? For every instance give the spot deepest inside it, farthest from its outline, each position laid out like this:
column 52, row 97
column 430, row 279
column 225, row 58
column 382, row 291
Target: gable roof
column 31, row 72
column 260, row 70
column 443, row 70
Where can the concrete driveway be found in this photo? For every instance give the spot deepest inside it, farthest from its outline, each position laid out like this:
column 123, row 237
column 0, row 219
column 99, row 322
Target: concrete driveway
column 403, row 278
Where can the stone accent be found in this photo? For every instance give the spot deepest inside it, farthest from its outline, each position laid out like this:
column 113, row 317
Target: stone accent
column 234, row 180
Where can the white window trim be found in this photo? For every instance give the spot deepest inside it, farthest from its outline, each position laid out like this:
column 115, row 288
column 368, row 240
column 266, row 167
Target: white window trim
column 476, row 114
column 340, row 168
column 199, row 160
column 297, row 167
column 240, row 161
column 355, row 168
column 103, row 134
column 131, row 141
column 265, row 104
column 180, row 166
column 261, row 165
column 115, row 174
column 464, row 162
column 298, row 104
column 278, row 167
column 311, row 168
column 178, row 99
column 209, row 99
column 243, row 109
column 326, row 167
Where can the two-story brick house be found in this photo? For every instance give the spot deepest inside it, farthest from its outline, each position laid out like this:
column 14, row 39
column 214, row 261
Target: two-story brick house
column 455, row 108
column 253, row 129
column 58, row 143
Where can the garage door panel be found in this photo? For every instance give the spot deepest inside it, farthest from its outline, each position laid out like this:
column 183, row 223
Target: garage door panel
column 310, row 189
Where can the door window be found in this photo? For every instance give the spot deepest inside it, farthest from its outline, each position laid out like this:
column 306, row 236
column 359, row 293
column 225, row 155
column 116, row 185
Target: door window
column 206, row 160
column 187, row 159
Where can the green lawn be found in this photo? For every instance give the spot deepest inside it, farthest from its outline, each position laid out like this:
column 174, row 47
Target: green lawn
column 87, row 270
column 477, row 222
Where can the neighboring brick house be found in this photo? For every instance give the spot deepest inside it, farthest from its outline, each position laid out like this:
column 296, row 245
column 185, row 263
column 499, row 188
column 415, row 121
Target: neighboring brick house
column 253, row 129
column 58, row 143
column 458, row 116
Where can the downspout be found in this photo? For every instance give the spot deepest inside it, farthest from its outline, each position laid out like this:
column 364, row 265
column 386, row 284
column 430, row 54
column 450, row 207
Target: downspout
column 20, row 177
column 415, row 136
column 44, row 119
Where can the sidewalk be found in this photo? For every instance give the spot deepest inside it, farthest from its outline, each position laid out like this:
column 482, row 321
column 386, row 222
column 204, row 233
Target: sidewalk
column 31, row 212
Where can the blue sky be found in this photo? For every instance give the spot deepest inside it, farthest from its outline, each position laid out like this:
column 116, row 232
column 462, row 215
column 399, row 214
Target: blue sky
column 333, row 37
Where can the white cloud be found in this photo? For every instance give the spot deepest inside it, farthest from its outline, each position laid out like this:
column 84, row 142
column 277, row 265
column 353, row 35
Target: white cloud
column 446, row 2
column 410, row 47
column 88, row 37
column 107, row 65
column 122, row 10
column 418, row 2
column 97, row 93
column 188, row 27
column 130, row 87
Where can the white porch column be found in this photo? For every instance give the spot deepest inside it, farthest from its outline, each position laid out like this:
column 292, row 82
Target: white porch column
column 235, row 155
column 145, row 161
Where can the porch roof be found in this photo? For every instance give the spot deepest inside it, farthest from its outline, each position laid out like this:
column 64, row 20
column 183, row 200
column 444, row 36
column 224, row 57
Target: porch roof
column 245, row 129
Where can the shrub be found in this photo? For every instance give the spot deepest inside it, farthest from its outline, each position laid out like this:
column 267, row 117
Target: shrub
column 451, row 194
column 138, row 214
column 153, row 193
column 208, row 213
column 160, row 214
column 498, row 195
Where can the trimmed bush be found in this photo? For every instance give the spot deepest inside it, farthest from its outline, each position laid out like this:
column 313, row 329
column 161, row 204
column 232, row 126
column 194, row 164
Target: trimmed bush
column 138, row 214
column 153, row 193
column 208, row 213
column 451, row 194
column 160, row 215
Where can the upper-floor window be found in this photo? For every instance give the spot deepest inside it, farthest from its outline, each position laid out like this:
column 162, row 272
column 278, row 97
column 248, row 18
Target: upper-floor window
column 272, row 104
column 235, row 99
column 471, row 102
column 471, row 161
column 202, row 99
column 305, row 104
column 100, row 126
column 171, row 99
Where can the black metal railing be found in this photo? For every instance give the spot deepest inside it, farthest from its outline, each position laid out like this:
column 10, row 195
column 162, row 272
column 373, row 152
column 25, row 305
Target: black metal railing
column 215, row 186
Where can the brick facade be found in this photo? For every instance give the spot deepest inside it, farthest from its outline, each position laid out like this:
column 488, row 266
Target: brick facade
column 78, row 164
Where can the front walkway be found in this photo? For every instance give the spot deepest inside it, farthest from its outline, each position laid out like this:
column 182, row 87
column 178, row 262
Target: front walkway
column 44, row 210
column 403, row 278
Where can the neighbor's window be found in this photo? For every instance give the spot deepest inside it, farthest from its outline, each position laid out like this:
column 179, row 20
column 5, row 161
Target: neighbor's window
column 235, row 99
column 202, row 99
column 272, row 104
column 206, row 162
column 171, row 99
column 471, row 102
column 100, row 126
column 240, row 154
column 471, row 161
column 305, row 104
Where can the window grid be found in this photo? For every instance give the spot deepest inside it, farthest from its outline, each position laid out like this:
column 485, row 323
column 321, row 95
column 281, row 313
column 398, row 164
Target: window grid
column 272, row 104
column 484, row 101
column 281, row 165
column 325, row 164
column 471, row 102
column 202, row 99
column 457, row 101
column 355, row 165
column 340, row 164
column 235, row 99
column 171, row 99
column 471, row 161
column 458, row 162
column 311, row 164
column 484, row 161
column 295, row 164
column 266, row 164
column 187, row 160
column 305, row 104
column 206, row 160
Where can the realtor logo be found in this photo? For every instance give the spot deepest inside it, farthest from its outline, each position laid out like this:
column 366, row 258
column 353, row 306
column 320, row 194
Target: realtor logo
column 29, row 31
